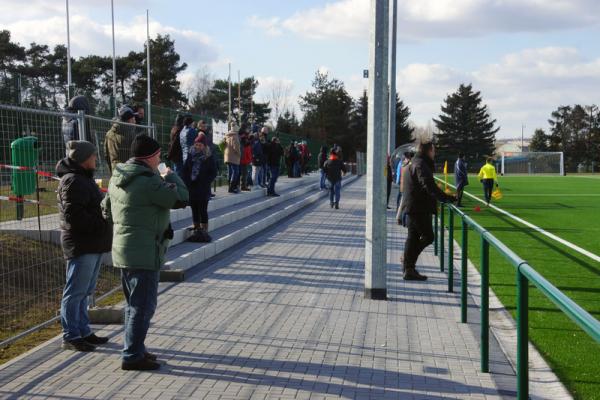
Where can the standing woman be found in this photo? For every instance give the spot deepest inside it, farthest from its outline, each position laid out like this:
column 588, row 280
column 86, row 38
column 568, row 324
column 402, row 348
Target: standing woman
column 199, row 172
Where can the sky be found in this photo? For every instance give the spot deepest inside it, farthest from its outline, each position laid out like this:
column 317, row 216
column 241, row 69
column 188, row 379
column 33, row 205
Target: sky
column 526, row 57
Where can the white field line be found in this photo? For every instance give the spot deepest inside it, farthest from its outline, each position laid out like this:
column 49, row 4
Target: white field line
column 535, row 228
column 554, row 195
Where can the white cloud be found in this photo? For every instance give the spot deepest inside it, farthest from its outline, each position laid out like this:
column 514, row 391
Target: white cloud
column 270, row 25
column 445, row 18
column 522, row 87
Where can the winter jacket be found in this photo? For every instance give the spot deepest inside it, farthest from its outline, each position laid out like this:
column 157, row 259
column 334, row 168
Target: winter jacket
column 461, row 178
column 138, row 204
column 246, row 154
column 70, row 126
column 174, row 153
column 420, row 193
column 199, row 171
column 117, row 145
column 186, row 140
column 274, row 154
column 488, row 171
column 83, row 230
column 333, row 169
column 232, row 148
column 258, row 156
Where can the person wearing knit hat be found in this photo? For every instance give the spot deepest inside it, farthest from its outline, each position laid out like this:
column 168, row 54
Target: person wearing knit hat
column 138, row 203
column 118, row 139
column 85, row 236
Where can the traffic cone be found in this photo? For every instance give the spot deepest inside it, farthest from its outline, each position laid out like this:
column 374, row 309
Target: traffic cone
column 477, row 209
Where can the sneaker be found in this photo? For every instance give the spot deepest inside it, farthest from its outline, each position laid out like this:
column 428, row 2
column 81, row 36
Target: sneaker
column 77, row 345
column 144, row 364
column 95, row 340
column 411, row 274
column 150, row 356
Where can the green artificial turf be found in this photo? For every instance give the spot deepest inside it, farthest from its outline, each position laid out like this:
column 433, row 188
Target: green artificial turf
column 568, row 207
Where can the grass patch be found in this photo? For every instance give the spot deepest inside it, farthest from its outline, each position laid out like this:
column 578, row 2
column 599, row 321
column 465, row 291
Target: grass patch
column 569, row 207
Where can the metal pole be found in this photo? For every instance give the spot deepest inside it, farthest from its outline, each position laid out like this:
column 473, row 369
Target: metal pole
column 485, row 312
column 229, row 91
column 392, row 123
column 377, row 132
column 149, row 95
column 463, row 271
column 522, row 336
column 435, row 234
column 441, row 239
column 522, row 137
column 69, row 81
column 450, row 250
column 114, row 61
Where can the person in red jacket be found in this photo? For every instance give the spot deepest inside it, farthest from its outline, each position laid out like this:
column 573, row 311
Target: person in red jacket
column 246, row 160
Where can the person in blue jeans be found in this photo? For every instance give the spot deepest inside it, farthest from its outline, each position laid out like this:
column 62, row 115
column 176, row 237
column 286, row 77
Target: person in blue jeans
column 334, row 167
column 138, row 203
column 274, row 154
column 85, row 236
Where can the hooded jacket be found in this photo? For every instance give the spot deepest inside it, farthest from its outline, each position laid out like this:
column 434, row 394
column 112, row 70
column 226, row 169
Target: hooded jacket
column 232, row 148
column 420, row 193
column 83, row 228
column 117, row 144
column 138, row 204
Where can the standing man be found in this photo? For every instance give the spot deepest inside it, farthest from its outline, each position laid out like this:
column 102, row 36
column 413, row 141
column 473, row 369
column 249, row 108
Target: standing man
column 187, row 137
column 333, row 170
column 322, row 160
column 117, row 144
column 274, row 154
column 461, row 178
column 258, row 161
column 138, row 110
column 420, row 195
column 138, row 203
column 487, row 176
column 70, row 126
column 264, row 140
column 85, row 235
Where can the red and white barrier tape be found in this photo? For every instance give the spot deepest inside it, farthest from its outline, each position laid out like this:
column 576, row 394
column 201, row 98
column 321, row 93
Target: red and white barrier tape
column 40, row 173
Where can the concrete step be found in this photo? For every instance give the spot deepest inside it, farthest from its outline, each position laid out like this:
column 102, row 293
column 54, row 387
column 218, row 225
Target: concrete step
column 252, row 219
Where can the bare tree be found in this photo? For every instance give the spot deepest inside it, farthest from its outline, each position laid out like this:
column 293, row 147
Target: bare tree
column 200, row 84
column 279, row 98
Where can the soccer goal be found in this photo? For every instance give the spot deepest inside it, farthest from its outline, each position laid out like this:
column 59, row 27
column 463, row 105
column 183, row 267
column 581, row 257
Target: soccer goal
column 533, row 163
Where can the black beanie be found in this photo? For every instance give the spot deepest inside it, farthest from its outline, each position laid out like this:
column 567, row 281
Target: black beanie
column 143, row 146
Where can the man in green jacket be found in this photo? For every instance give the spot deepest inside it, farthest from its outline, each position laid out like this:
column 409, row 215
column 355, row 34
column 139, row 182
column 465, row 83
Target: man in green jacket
column 138, row 204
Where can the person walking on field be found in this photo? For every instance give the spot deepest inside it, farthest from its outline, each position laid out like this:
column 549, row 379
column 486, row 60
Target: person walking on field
column 85, row 236
column 333, row 170
column 461, row 178
column 487, row 176
column 138, row 203
column 419, row 201
column 232, row 158
column 199, row 171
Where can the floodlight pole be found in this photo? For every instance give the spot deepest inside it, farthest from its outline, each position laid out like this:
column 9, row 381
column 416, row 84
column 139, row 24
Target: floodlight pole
column 149, row 90
column 392, row 130
column 377, row 133
column 229, row 91
column 114, row 62
column 69, row 82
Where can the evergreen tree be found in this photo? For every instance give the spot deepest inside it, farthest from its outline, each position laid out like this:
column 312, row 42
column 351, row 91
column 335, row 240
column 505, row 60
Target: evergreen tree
column 465, row 126
column 404, row 130
column 288, row 123
column 539, row 141
column 165, row 64
column 11, row 56
column 358, row 122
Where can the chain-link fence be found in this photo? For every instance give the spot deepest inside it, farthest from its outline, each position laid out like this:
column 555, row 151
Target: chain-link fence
column 32, row 267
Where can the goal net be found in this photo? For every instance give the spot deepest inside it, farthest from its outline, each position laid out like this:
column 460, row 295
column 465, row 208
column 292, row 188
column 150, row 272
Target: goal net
column 532, row 163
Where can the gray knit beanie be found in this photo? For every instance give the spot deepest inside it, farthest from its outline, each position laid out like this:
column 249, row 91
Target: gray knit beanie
column 80, row 150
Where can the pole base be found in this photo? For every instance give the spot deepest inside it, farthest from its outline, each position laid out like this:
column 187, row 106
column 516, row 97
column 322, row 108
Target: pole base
column 376, row 294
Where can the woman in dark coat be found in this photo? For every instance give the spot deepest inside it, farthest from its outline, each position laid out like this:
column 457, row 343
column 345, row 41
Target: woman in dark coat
column 199, row 172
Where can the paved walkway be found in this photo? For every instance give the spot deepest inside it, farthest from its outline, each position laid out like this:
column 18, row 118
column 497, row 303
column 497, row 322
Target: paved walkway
column 284, row 317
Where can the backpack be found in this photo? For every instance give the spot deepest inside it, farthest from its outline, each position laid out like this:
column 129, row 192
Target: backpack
column 175, row 153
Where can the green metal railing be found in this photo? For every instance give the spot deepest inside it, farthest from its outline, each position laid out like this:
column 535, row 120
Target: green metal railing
column 525, row 274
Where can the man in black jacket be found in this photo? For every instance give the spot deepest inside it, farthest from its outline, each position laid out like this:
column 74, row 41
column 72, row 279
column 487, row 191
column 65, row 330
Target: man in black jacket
column 85, row 236
column 420, row 196
column 333, row 171
column 274, row 154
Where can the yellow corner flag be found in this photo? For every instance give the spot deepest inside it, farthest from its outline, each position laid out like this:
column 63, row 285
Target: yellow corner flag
column 446, row 176
column 446, row 168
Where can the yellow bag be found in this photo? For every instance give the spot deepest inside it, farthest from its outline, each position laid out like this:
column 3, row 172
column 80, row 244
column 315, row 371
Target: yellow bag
column 497, row 194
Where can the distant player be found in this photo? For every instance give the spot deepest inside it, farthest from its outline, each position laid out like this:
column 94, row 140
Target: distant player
column 487, row 176
column 460, row 177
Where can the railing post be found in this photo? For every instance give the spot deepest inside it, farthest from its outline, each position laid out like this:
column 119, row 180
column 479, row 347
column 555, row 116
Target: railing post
column 450, row 249
column 463, row 271
column 485, row 322
column 435, row 234
column 441, row 239
column 81, row 125
column 522, row 336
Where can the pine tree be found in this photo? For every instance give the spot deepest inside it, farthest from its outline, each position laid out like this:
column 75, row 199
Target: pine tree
column 288, row 123
column 358, row 122
column 539, row 141
column 465, row 126
column 404, row 130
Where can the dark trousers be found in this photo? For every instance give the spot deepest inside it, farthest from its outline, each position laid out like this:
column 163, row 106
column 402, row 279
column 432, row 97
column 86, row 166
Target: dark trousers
column 244, row 176
column 199, row 211
column 420, row 235
column 459, row 194
column 488, row 187
column 274, row 175
column 140, row 287
column 389, row 191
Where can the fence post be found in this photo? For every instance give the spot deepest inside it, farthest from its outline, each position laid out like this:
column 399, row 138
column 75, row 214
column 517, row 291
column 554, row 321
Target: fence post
column 435, row 234
column 81, row 125
column 485, row 312
column 441, row 240
column 450, row 249
column 522, row 336
column 463, row 271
